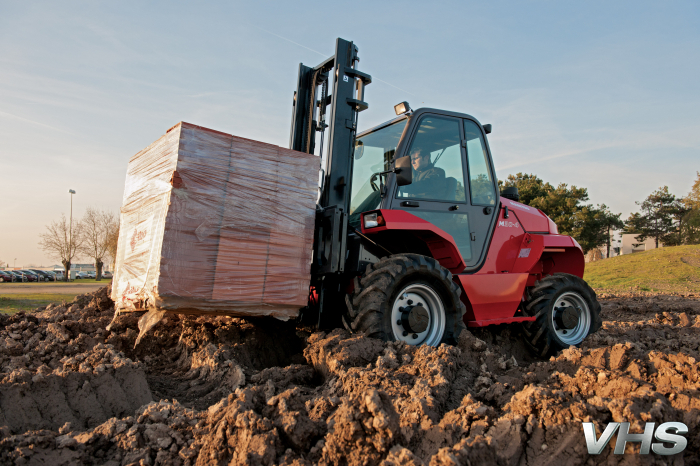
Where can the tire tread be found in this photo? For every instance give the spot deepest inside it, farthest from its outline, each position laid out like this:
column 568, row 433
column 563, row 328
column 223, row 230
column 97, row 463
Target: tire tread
column 536, row 334
column 369, row 302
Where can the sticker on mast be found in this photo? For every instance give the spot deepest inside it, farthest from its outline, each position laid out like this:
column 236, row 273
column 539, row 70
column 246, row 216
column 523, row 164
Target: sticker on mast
column 506, row 223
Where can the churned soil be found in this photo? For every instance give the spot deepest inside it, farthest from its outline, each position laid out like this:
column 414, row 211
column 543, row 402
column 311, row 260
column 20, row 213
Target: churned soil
column 216, row 391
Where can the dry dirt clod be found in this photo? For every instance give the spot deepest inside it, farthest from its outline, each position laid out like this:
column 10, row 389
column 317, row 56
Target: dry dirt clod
column 215, row 391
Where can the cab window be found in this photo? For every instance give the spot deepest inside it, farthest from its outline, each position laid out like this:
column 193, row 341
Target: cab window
column 480, row 180
column 436, row 160
column 373, row 154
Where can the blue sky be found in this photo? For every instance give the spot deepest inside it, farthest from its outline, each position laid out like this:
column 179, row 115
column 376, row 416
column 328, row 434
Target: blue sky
column 603, row 95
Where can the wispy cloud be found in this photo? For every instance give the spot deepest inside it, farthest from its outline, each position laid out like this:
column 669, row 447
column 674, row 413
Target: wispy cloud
column 290, row 40
column 110, row 37
column 395, row 87
column 203, row 94
column 324, row 55
column 570, row 145
column 27, row 120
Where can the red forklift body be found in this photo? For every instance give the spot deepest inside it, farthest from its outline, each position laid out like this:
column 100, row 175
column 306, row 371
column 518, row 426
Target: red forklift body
column 524, row 247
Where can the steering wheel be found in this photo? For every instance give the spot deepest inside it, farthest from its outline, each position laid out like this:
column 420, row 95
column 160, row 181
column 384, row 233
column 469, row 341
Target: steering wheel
column 372, row 182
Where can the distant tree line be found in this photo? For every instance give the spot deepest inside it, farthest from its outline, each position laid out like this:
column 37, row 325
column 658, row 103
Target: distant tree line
column 669, row 220
column 93, row 236
column 566, row 205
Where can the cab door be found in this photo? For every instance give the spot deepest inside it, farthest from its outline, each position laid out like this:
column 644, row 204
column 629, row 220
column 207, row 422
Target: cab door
column 438, row 193
column 482, row 192
column 445, row 153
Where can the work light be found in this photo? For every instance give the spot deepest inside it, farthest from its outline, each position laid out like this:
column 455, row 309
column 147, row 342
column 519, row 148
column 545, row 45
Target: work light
column 402, row 108
column 373, row 220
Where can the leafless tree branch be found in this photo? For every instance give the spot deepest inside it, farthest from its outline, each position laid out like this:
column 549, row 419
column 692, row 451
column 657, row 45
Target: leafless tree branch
column 59, row 242
column 98, row 226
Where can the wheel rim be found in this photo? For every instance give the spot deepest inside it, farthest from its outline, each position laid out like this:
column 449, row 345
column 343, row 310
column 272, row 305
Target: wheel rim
column 575, row 335
column 428, row 298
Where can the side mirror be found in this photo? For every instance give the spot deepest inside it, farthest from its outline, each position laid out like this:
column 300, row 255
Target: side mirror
column 359, row 150
column 510, row 192
column 403, row 170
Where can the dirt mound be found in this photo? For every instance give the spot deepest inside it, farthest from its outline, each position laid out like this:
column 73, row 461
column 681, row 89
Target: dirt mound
column 54, row 369
column 264, row 392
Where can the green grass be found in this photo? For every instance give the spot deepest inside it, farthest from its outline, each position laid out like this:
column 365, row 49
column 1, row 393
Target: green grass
column 11, row 303
column 665, row 270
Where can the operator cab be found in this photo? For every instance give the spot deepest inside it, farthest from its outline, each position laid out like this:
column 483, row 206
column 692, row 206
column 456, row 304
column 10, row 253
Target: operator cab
column 453, row 183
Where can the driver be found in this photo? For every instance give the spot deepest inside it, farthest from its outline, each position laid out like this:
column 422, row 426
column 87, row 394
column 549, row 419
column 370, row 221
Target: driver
column 428, row 180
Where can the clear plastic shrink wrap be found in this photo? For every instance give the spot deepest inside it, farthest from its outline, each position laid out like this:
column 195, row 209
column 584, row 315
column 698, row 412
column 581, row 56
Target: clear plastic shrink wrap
column 213, row 223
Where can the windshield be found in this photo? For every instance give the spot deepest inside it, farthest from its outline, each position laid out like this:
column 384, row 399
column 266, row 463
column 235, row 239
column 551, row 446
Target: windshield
column 373, row 153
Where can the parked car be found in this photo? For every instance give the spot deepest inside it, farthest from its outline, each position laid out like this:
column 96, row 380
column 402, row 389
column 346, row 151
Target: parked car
column 6, row 276
column 59, row 274
column 81, row 275
column 19, row 277
column 92, row 274
column 106, row 274
column 31, row 276
column 43, row 276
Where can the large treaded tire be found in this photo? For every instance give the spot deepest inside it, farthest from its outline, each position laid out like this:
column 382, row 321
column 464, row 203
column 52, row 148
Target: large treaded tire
column 541, row 335
column 369, row 310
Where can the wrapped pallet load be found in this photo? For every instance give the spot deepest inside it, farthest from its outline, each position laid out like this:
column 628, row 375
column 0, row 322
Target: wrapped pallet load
column 216, row 224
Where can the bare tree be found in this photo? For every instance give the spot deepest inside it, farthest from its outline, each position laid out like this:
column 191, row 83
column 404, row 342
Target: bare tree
column 112, row 243
column 62, row 242
column 97, row 227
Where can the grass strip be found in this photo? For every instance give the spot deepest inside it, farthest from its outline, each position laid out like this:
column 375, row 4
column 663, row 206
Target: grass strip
column 9, row 304
column 665, row 270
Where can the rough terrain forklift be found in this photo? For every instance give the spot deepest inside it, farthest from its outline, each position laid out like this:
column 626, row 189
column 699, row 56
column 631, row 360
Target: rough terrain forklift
column 413, row 239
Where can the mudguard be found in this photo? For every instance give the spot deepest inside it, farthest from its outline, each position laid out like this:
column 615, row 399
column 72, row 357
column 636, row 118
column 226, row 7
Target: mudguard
column 441, row 244
column 565, row 255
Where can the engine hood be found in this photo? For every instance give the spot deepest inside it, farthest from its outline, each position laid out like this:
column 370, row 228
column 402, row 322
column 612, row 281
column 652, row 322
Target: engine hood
column 532, row 220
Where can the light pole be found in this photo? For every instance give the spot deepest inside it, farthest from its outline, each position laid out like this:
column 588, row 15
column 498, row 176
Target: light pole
column 70, row 233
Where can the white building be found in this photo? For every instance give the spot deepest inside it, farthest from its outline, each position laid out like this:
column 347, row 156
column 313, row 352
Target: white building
column 623, row 243
column 626, row 243
column 630, row 245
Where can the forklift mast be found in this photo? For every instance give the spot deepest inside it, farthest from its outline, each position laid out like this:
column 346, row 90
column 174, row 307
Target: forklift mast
column 310, row 115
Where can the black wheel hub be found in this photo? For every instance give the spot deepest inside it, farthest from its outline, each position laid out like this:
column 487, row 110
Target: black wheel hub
column 566, row 317
column 414, row 319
